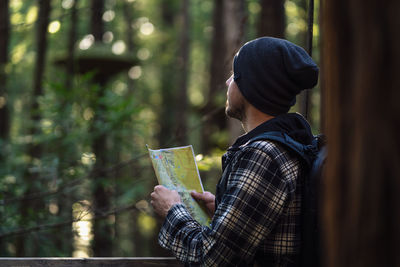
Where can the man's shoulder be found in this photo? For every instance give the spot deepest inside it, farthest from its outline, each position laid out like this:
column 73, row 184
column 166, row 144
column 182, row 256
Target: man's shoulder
column 269, row 147
column 261, row 150
column 274, row 150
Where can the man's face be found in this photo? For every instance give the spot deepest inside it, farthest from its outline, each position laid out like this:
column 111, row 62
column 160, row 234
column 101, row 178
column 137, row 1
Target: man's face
column 235, row 102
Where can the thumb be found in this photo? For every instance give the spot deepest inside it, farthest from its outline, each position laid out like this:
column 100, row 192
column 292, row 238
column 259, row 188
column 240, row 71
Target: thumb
column 197, row 195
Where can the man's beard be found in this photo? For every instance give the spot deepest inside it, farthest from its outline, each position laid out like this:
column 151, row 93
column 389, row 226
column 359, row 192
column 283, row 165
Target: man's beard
column 236, row 112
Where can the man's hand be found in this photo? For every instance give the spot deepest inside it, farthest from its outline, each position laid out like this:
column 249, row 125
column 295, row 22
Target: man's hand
column 162, row 200
column 207, row 199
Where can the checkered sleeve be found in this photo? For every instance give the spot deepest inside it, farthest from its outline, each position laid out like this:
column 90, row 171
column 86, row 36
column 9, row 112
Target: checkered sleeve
column 251, row 205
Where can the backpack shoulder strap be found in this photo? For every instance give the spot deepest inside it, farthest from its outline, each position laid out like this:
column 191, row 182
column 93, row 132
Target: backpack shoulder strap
column 306, row 153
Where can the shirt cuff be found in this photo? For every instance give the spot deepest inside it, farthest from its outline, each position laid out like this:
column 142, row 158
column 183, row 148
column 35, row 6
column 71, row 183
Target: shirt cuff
column 177, row 217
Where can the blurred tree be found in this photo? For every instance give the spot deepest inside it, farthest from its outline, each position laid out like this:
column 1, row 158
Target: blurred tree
column 272, row 18
column 305, row 96
column 4, row 44
column 228, row 31
column 217, row 78
column 32, row 174
column 72, row 38
column 129, row 37
column 96, row 19
column 135, row 234
column 64, row 236
column 4, row 106
column 303, row 35
column 168, row 48
column 102, row 229
column 235, row 24
column 362, row 186
column 183, row 69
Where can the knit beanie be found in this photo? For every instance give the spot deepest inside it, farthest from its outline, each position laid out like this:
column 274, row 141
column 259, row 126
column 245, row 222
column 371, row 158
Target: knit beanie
column 270, row 72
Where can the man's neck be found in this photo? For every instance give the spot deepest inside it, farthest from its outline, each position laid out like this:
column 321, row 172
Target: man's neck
column 254, row 118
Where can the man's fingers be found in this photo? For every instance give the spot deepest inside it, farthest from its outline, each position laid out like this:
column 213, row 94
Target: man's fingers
column 158, row 187
column 201, row 196
column 196, row 195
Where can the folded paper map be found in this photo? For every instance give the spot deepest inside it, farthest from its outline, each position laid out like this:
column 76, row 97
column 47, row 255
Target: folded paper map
column 176, row 169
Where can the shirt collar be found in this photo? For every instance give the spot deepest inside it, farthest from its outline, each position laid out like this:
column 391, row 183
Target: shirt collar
column 291, row 123
column 243, row 139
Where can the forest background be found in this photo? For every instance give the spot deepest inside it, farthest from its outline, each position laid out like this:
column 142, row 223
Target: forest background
column 84, row 85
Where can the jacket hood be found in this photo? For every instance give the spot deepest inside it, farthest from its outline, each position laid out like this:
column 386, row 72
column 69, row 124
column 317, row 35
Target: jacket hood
column 294, row 125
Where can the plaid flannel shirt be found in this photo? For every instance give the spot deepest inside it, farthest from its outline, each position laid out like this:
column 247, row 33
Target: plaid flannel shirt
column 257, row 215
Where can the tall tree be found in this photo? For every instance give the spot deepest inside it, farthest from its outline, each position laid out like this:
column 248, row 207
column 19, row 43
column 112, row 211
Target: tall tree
column 127, row 12
column 229, row 19
column 72, row 37
column 217, row 72
column 35, row 148
column 302, row 5
column 4, row 110
column 228, row 31
column 362, row 186
column 4, row 42
column 182, row 96
column 102, row 229
column 96, row 19
column 135, row 169
column 272, row 18
column 64, row 236
column 167, row 119
column 305, row 96
column 235, row 21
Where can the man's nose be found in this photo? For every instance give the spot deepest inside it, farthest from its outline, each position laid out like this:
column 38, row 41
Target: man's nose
column 229, row 80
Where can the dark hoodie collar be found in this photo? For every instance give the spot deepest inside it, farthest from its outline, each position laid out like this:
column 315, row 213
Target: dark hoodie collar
column 292, row 124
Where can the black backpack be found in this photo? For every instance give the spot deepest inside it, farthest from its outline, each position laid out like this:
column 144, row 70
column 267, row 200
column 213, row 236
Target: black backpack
column 313, row 157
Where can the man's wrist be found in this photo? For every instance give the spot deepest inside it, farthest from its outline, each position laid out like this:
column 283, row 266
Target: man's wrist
column 173, row 207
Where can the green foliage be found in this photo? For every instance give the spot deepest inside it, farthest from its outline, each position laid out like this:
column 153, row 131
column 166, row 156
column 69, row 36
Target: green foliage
column 212, row 161
column 126, row 111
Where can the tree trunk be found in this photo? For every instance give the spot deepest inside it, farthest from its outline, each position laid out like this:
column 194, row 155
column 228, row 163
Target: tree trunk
column 64, row 236
column 128, row 10
column 42, row 24
column 272, row 18
column 102, row 229
column 4, row 110
column 168, row 76
column 96, row 19
column 235, row 20
column 34, row 150
column 362, row 187
column 135, row 170
column 72, row 37
column 303, row 7
column 182, row 96
column 228, row 23
column 217, row 79
column 4, row 41
column 305, row 95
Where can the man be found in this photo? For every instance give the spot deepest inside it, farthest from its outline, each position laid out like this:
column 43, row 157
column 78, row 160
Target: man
column 256, row 209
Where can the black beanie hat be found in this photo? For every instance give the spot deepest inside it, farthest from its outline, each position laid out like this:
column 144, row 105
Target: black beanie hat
column 270, row 72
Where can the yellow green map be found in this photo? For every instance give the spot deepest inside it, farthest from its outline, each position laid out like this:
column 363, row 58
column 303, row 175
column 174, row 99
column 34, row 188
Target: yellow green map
column 176, row 169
